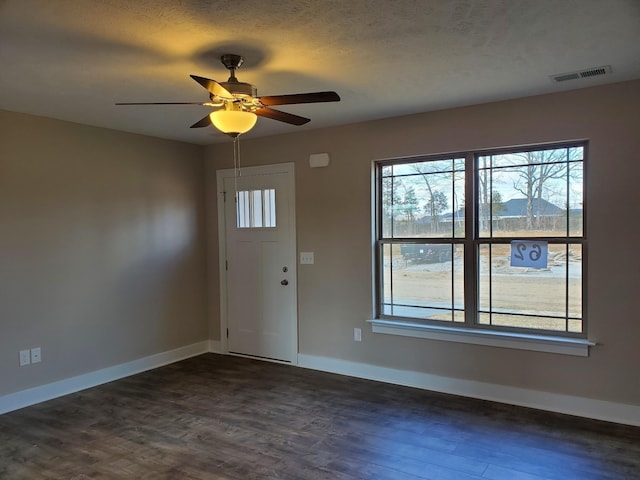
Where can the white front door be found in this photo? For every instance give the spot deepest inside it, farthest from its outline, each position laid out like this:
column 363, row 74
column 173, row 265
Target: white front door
column 260, row 258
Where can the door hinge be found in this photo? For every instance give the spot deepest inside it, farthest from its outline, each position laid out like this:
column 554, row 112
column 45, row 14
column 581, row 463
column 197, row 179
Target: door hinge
column 226, row 265
column 227, row 333
column 224, row 196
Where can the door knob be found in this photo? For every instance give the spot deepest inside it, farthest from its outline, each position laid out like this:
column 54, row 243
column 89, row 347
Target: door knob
column 284, row 282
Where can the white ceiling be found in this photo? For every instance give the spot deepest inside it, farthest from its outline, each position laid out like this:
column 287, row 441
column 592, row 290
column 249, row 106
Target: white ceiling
column 73, row 59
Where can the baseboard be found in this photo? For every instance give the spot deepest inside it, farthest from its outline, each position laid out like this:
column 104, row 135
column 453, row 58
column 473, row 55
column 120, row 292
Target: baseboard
column 215, row 346
column 553, row 402
column 571, row 405
column 31, row 396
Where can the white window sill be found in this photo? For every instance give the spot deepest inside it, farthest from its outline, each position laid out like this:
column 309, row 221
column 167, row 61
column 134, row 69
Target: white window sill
column 537, row 343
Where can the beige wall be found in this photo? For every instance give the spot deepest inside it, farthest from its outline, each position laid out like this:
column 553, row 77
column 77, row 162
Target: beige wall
column 101, row 248
column 334, row 220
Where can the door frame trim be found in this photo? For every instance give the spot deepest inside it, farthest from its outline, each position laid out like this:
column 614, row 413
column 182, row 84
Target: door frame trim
column 289, row 169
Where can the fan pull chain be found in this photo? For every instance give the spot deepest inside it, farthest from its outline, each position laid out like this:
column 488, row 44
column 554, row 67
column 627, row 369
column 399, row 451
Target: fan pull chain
column 236, row 165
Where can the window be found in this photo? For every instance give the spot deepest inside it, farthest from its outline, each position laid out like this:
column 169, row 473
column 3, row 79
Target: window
column 451, row 230
column 256, row 208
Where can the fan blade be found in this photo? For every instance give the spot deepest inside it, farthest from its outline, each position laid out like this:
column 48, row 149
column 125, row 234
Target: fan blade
column 212, row 86
column 315, row 97
column 281, row 116
column 162, row 103
column 204, row 122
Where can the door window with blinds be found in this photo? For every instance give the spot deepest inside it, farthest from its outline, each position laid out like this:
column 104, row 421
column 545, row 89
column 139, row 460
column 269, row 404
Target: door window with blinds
column 256, row 208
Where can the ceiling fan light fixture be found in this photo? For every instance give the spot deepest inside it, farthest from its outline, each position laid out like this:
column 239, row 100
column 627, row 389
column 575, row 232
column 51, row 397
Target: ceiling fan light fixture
column 233, row 122
column 238, row 103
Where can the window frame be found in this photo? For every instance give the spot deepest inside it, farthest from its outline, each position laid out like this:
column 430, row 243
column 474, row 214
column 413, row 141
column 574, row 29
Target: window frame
column 471, row 242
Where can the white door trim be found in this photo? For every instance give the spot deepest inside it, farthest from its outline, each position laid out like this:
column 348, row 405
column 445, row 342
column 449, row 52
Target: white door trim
column 222, row 241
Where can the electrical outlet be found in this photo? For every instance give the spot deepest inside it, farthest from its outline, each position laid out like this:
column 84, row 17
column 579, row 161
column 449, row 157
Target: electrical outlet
column 357, row 334
column 25, row 359
column 36, row 355
column 306, row 258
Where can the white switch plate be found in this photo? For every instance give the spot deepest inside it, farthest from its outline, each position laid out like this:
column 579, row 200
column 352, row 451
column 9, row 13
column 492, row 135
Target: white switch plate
column 36, row 355
column 357, row 334
column 24, row 358
column 306, row 258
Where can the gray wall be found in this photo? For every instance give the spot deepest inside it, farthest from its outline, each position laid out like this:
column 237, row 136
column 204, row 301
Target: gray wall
column 101, row 248
column 333, row 208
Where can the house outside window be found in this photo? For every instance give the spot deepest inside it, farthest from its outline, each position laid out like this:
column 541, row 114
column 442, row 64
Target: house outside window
column 457, row 236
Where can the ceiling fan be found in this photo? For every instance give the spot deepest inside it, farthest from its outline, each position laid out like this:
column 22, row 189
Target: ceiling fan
column 237, row 104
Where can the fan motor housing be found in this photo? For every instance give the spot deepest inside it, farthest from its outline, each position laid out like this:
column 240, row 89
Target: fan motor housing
column 240, row 88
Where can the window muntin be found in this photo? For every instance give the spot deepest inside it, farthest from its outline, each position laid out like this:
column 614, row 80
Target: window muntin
column 526, row 194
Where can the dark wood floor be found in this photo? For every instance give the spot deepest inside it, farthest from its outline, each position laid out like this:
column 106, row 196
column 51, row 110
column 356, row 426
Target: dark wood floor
column 220, row 417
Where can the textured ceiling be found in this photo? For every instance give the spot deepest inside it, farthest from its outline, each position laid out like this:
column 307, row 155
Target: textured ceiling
column 73, row 59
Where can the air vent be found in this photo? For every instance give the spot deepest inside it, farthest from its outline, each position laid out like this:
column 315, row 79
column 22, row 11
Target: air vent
column 588, row 73
column 594, row 71
column 566, row 76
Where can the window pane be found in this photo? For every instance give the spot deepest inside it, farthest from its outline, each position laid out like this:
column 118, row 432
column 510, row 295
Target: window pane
column 429, row 166
column 388, row 258
column 576, row 199
column 423, row 199
column 256, row 207
column 484, row 282
column 531, row 193
column 457, row 215
column 530, row 297
column 486, row 209
column 422, row 281
column 390, row 204
column 458, row 283
column 521, row 321
column 270, row 207
column 532, row 157
column 243, row 219
column 484, row 318
column 575, row 287
column 575, row 326
column 576, row 153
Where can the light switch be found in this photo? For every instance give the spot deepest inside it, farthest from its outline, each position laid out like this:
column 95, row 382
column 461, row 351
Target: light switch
column 25, row 359
column 306, row 258
column 36, row 355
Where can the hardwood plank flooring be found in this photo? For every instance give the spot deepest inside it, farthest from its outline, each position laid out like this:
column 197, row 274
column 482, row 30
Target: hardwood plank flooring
column 219, row 417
